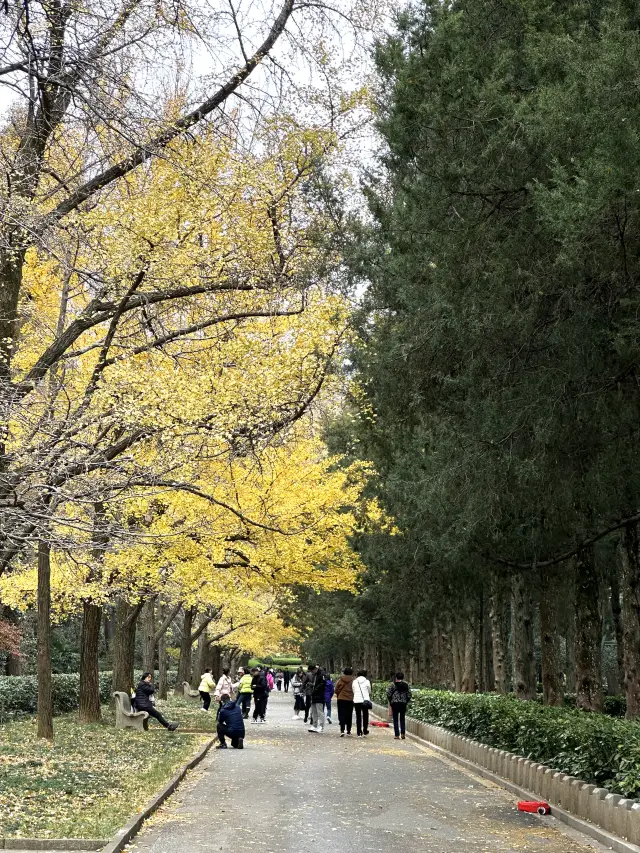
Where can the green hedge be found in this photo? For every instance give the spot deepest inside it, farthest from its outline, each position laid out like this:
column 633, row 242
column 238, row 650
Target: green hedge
column 19, row 693
column 599, row 749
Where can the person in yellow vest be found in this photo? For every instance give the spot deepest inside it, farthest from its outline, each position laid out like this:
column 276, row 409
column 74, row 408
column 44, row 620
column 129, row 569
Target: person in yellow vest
column 207, row 684
column 243, row 689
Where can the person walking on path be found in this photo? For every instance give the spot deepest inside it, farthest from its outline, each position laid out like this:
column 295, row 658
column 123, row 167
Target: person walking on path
column 362, row 701
column 328, row 693
column 230, row 723
column 207, row 684
column 317, row 701
column 344, row 697
column 287, row 678
column 297, row 683
column 270, row 680
column 279, row 679
column 399, row 696
column 244, row 692
column 307, row 689
column 145, row 701
column 260, row 690
column 224, row 685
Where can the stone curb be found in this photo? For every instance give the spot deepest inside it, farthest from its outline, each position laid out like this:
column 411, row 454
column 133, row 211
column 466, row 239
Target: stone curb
column 608, row 818
column 123, row 836
column 52, row 843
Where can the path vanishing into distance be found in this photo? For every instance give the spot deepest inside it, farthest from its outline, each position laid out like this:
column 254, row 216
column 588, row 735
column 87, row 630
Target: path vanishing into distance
column 289, row 791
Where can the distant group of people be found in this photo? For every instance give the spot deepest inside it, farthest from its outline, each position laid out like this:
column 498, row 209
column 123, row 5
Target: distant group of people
column 313, row 692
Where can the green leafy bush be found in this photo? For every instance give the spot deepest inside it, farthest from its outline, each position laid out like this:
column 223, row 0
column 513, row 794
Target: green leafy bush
column 19, row 693
column 597, row 748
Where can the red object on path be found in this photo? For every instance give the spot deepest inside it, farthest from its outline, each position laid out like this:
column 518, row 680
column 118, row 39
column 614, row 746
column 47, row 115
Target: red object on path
column 379, row 724
column 536, row 807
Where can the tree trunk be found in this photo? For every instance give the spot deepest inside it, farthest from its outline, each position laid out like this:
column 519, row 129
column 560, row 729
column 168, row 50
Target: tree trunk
column 630, row 588
column 200, row 663
column 552, row 688
column 524, row 669
column 589, row 695
column 13, row 662
column 498, row 634
column 458, row 659
column 163, row 686
column 126, row 616
column 109, row 628
column 184, row 662
column 45, row 693
column 616, row 614
column 89, row 704
column 468, row 684
column 148, row 638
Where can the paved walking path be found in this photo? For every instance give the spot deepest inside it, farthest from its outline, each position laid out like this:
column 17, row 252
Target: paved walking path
column 290, row 791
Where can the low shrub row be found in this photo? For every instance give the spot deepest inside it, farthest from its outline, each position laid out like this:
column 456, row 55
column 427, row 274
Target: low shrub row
column 596, row 748
column 19, row 693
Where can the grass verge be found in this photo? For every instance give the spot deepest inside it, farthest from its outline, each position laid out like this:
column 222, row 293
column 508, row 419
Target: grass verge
column 89, row 781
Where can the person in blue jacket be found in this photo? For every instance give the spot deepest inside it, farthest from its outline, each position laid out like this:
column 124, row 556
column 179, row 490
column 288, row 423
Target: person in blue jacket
column 230, row 723
column 328, row 694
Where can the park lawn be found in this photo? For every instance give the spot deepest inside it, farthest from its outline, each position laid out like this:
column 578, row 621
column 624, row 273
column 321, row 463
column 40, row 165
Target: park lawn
column 89, row 782
column 188, row 713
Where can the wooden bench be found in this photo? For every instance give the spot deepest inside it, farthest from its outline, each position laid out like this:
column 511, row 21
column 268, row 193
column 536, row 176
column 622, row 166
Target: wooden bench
column 125, row 717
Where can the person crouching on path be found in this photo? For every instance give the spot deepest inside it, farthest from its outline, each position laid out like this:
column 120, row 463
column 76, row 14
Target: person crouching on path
column 297, row 683
column 362, row 701
column 260, row 690
column 224, row 685
column 344, row 696
column 207, row 684
column 328, row 693
column 230, row 723
column 244, row 692
column 145, row 701
column 399, row 696
column 317, row 701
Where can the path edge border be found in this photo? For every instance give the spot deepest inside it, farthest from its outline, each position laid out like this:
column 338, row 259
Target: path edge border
column 615, row 842
column 123, row 836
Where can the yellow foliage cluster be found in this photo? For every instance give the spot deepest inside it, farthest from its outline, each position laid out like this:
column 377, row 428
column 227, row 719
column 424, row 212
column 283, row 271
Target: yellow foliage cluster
column 225, row 497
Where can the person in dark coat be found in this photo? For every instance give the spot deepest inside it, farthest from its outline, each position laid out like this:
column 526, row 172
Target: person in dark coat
column 399, row 696
column 230, row 723
column 287, row 679
column 145, row 702
column 260, row 690
column 317, row 701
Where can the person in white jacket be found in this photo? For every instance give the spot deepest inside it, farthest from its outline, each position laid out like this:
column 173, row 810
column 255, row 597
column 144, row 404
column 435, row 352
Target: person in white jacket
column 362, row 701
column 225, row 685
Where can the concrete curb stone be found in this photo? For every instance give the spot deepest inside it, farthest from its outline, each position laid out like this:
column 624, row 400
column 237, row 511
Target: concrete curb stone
column 52, row 843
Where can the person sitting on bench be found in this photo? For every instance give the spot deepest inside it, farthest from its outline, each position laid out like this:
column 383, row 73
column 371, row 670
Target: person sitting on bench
column 145, row 701
column 230, row 723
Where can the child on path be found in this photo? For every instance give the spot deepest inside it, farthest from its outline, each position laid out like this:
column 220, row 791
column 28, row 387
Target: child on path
column 207, row 684
column 328, row 693
column 298, row 693
column 244, row 692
